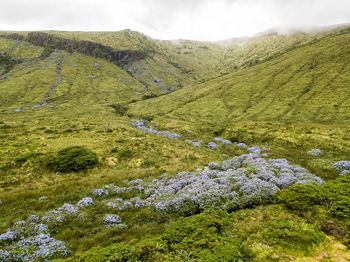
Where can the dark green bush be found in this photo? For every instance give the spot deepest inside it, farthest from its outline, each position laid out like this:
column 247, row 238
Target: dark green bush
column 300, row 197
column 148, row 163
column 334, row 196
column 119, row 109
column 337, row 196
column 125, row 153
column 73, row 158
column 219, row 132
column 292, row 235
column 197, row 238
column 114, row 150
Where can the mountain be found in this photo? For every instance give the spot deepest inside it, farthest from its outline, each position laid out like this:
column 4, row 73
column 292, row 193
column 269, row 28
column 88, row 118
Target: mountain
column 118, row 147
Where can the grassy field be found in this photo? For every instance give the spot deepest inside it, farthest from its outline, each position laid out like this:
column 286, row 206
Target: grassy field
column 291, row 103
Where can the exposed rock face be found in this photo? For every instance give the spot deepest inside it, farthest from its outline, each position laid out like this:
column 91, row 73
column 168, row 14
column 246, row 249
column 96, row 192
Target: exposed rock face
column 96, row 50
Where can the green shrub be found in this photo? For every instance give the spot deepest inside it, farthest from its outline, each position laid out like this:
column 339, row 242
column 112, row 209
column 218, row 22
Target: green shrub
column 201, row 237
column 300, row 197
column 219, row 132
column 292, row 235
column 334, row 197
column 119, row 109
column 125, row 153
column 337, row 196
column 115, row 150
column 74, row 158
column 148, row 163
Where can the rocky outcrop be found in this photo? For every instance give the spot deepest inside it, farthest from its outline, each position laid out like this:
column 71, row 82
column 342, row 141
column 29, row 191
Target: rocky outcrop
column 96, row 50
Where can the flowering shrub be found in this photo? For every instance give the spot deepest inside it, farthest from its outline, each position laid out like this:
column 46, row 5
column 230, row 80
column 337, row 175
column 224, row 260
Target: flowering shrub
column 111, row 220
column 195, row 143
column 314, row 152
column 100, row 192
column 342, row 165
column 142, row 125
column 42, row 198
column 28, row 241
column 41, row 246
column 254, row 150
column 33, row 218
column 241, row 181
column 87, row 201
column 212, row 145
column 344, row 172
column 241, row 145
column 135, row 182
column 69, row 209
column 223, row 141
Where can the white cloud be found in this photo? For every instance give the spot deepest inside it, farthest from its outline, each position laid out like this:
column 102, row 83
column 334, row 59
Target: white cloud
column 171, row 19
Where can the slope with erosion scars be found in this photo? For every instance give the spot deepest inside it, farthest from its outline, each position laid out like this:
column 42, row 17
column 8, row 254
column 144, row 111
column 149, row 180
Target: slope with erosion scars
column 290, row 78
column 167, row 67
column 26, row 85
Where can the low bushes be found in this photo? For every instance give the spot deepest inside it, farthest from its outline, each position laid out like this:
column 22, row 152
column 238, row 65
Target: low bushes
column 334, row 197
column 74, row 159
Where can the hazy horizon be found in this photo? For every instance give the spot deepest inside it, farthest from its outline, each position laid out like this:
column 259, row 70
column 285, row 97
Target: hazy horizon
column 201, row 20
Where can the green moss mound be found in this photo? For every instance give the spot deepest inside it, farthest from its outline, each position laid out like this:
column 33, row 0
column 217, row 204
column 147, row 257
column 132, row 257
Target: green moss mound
column 73, row 159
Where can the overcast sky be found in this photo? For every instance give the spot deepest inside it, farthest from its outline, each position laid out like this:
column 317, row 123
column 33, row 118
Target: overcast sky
column 172, row 19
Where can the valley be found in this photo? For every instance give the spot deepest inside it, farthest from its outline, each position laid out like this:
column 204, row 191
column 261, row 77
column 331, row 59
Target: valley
column 118, row 147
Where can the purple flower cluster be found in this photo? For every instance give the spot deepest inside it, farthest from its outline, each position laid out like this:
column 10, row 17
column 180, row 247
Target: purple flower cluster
column 86, row 201
column 112, row 220
column 314, row 152
column 37, row 247
column 142, row 125
column 195, row 143
column 223, row 141
column 343, row 166
column 212, row 145
column 241, row 181
column 100, row 192
column 120, row 204
column 28, row 241
column 57, row 216
column 43, row 198
column 254, row 150
column 135, row 182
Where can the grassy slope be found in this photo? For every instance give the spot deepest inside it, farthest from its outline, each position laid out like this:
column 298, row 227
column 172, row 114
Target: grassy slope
column 306, row 84
column 174, row 64
column 29, row 82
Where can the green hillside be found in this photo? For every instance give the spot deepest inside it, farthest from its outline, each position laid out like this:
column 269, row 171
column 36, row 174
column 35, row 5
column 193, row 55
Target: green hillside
column 307, row 84
column 249, row 51
column 81, row 179
column 160, row 66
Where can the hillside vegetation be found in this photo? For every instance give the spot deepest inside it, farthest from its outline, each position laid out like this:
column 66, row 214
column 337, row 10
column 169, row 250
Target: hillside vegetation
column 118, row 147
